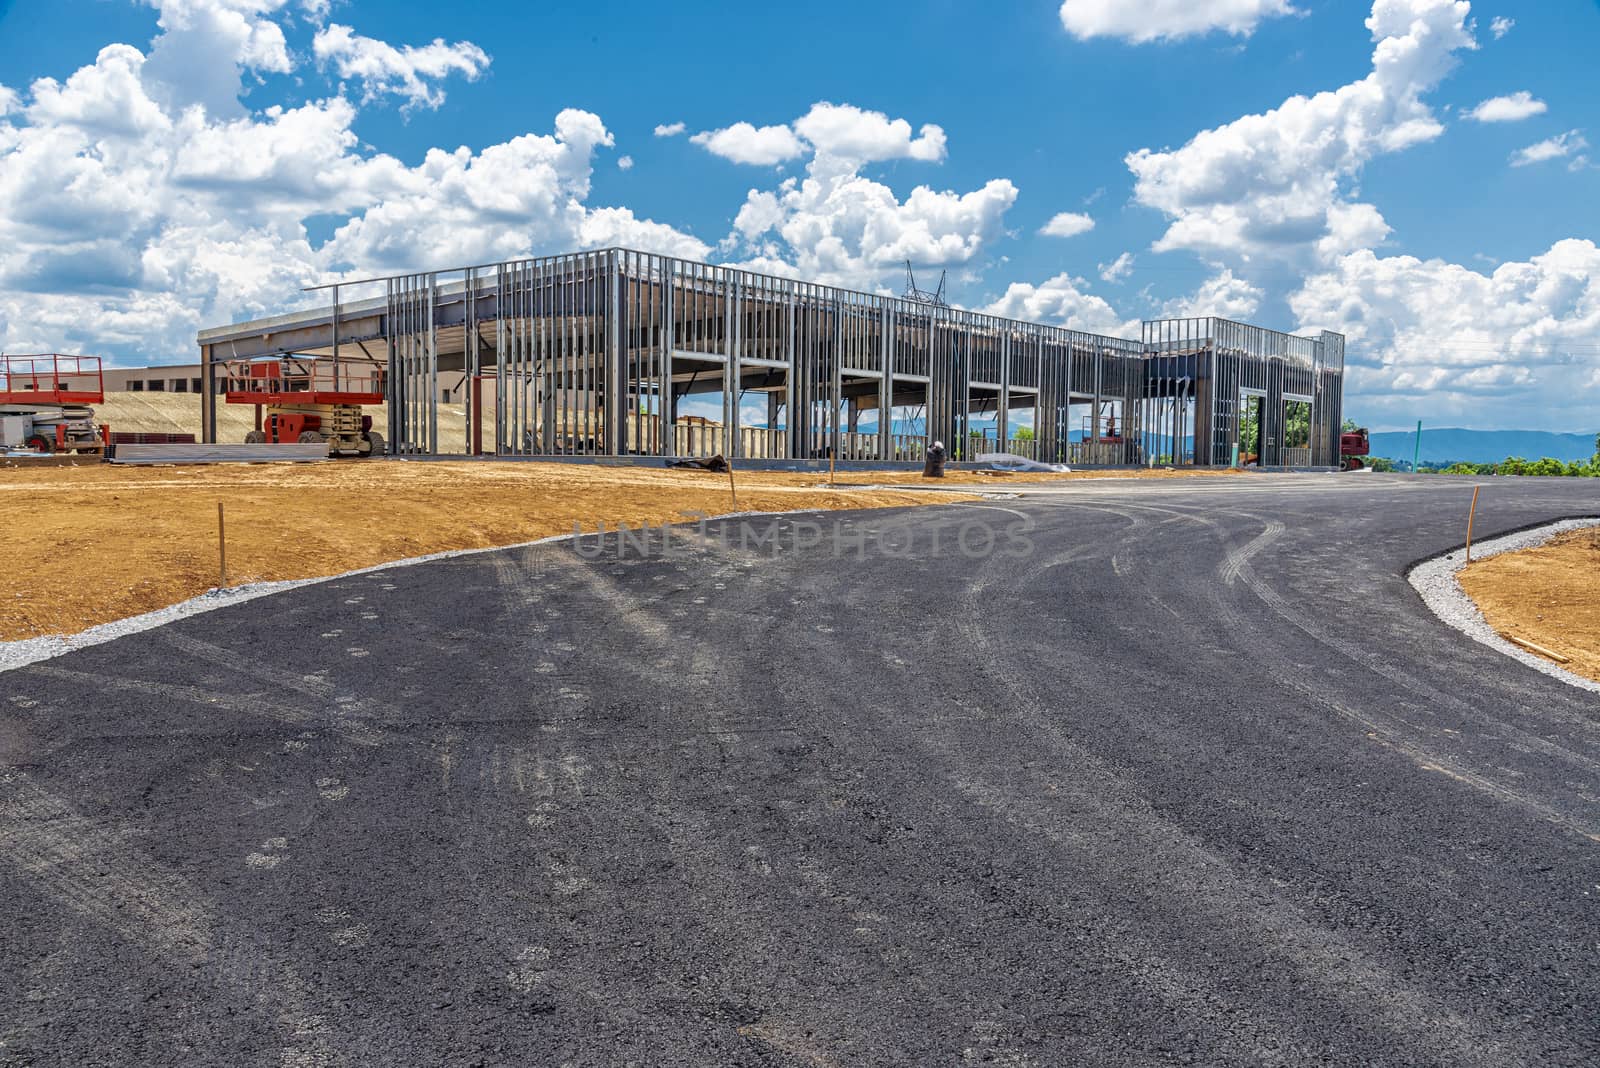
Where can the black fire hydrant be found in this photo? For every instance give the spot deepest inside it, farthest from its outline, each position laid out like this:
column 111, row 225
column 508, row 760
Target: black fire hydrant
column 933, row 462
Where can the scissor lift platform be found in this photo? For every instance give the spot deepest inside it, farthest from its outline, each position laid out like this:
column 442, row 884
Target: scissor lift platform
column 304, row 399
column 45, row 402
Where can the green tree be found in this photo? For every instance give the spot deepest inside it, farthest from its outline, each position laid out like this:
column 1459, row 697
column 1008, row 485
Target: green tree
column 1249, row 429
column 1546, row 467
column 1023, row 433
column 1296, row 424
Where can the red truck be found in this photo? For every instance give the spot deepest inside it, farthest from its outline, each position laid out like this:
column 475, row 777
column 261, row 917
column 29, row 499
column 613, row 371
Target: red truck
column 1353, row 447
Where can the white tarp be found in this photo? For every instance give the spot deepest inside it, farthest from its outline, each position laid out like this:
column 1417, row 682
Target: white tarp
column 1005, row 461
column 220, row 454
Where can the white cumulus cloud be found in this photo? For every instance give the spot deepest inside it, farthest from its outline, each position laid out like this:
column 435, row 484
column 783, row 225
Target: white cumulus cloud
column 1474, row 346
column 1221, row 295
column 1067, row 224
column 205, row 45
column 1513, row 344
column 1569, row 146
column 743, row 142
column 1278, row 183
column 840, row 137
column 1154, row 20
column 1117, row 269
column 670, row 129
column 846, row 136
column 1500, row 26
column 1063, row 301
column 837, row 225
column 1513, row 108
column 406, row 71
column 850, row 230
column 143, row 212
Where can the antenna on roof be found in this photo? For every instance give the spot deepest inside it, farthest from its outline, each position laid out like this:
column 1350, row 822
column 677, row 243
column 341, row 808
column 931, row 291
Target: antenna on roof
column 922, row 296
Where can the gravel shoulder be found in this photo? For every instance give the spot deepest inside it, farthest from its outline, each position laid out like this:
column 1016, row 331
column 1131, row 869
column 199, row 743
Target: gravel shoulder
column 1541, row 585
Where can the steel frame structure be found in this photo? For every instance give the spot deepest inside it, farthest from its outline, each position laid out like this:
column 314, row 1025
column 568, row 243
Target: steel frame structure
column 1216, row 363
column 592, row 353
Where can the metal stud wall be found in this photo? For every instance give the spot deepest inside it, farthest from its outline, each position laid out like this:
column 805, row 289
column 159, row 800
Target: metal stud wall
column 598, row 352
column 1218, row 367
column 413, row 364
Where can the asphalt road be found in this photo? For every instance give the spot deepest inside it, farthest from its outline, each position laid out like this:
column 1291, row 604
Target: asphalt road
column 1176, row 772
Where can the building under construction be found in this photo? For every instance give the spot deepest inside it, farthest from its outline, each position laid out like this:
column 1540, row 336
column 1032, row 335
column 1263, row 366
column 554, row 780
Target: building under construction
column 622, row 353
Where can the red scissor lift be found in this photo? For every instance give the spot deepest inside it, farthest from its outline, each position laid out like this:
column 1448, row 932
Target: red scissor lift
column 304, row 399
column 45, row 402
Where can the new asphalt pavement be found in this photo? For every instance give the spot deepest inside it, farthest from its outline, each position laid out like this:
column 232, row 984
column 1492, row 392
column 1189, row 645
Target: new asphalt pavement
column 1117, row 773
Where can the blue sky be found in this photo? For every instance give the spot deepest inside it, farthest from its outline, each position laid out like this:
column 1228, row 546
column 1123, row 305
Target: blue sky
column 1415, row 173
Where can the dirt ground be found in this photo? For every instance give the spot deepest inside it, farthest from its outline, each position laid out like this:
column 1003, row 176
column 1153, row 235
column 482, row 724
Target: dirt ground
column 97, row 542
column 1547, row 595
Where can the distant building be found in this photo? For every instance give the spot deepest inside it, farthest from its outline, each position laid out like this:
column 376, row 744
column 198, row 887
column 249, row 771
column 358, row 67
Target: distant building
column 190, row 378
column 169, row 378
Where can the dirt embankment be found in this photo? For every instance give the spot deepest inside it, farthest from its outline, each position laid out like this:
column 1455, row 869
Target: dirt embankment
column 1548, row 595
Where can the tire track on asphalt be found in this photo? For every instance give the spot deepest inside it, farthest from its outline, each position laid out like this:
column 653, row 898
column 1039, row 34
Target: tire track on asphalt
column 1159, row 976
column 1426, row 757
column 314, row 686
column 573, row 799
column 83, row 867
column 1409, row 740
column 714, row 862
column 1322, row 958
column 1236, row 560
column 250, row 705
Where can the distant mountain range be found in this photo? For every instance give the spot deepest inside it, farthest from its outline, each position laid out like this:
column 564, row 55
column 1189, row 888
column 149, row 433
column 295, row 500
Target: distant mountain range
column 1448, row 444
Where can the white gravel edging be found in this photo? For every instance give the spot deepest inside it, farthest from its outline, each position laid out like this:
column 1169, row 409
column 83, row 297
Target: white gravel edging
column 1435, row 581
column 27, row 651
column 32, row 650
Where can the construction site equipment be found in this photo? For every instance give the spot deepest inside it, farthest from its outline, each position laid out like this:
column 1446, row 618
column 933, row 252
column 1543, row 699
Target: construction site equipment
column 1353, row 448
column 45, row 403
column 309, row 400
column 922, row 296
